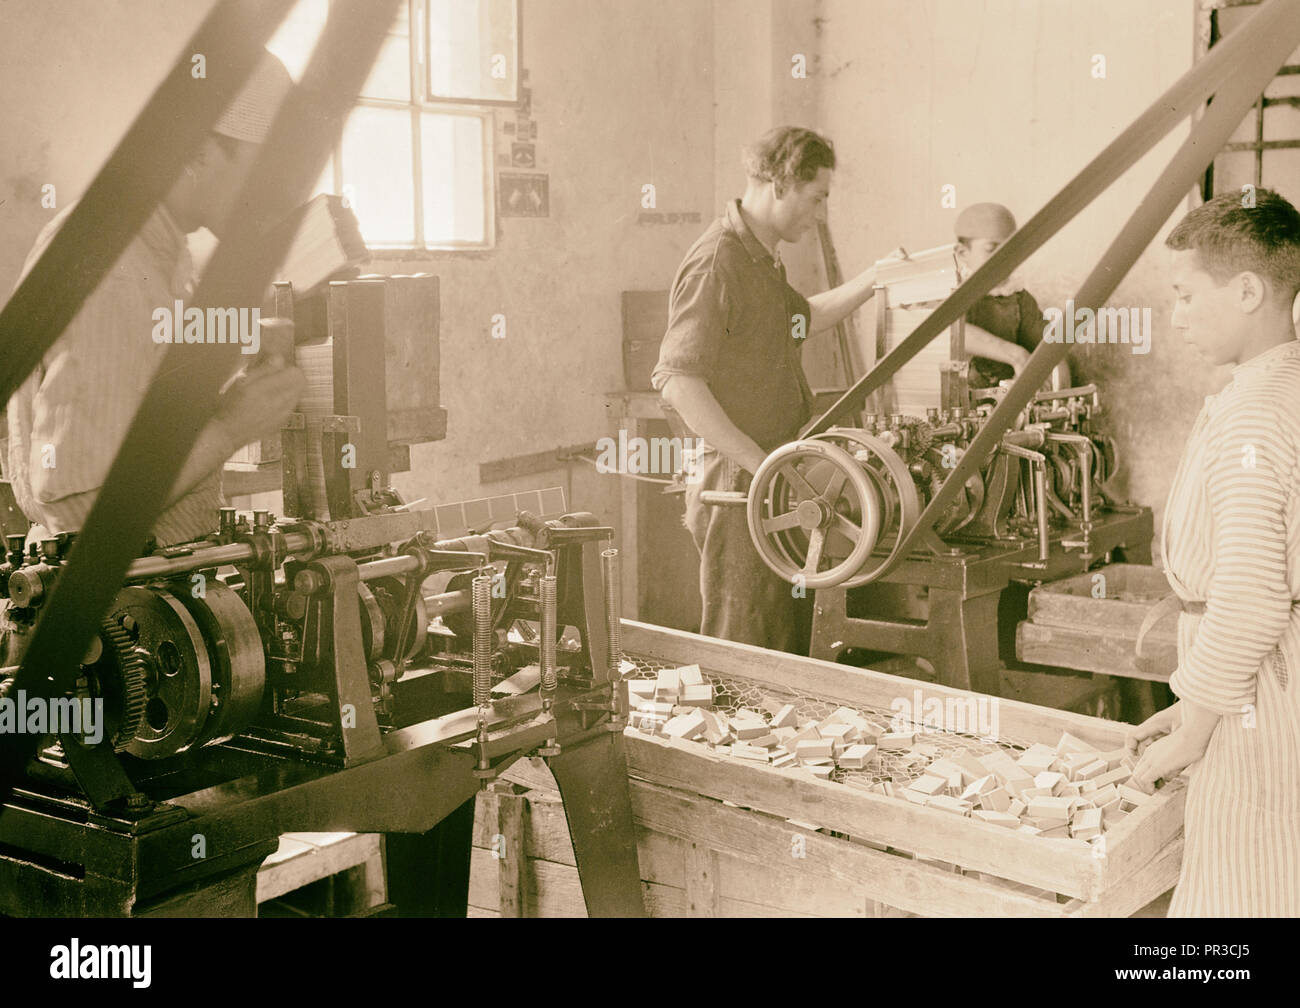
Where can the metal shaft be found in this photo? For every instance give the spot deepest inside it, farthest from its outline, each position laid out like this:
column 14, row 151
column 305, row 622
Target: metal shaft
column 1040, row 509
column 447, row 602
column 1038, row 464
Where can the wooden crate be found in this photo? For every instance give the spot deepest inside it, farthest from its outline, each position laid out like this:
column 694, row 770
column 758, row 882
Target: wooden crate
column 716, row 836
column 1071, row 628
column 356, row 859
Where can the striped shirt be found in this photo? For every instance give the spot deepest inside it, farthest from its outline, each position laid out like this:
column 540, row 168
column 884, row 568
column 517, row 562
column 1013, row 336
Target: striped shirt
column 68, row 419
column 1232, row 539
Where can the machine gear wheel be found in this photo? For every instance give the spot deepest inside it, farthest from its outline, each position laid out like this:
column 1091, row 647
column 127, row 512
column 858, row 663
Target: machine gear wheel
column 118, row 677
column 919, row 439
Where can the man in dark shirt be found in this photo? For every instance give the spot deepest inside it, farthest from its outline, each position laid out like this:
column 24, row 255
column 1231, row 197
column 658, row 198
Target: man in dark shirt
column 1004, row 326
column 730, row 366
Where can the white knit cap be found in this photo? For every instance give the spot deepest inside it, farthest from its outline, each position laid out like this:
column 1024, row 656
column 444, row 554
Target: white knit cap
column 251, row 112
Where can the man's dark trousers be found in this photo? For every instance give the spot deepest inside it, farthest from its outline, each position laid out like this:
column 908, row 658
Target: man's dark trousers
column 743, row 600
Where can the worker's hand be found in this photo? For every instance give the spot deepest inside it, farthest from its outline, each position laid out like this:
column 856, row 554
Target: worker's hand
column 1157, row 725
column 276, row 344
column 1165, row 759
column 259, row 401
column 1019, row 357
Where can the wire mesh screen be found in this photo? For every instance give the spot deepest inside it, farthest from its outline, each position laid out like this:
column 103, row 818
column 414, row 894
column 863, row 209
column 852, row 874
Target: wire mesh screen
column 901, row 768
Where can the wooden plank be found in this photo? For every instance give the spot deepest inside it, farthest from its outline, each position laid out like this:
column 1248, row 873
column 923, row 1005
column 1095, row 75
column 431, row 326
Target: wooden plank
column 1064, row 866
column 1093, row 651
column 552, row 890
column 700, row 866
column 311, row 857
column 555, row 891
column 510, row 813
column 559, row 891
column 1126, row 595
column 357, row 332
column 796, row 675
column 1143, row 834
column 786, row 885
column 662, row 860
column 289, row 848
column 835, row 877
column 415, row 426
column 1156, row 878
column 545, row 830
column 412, row 367
column 546, row 836
column 762, row 842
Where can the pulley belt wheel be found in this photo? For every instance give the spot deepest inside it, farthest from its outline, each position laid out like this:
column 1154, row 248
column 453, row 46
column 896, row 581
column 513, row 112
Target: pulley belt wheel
column 234, row 645
column 893, row 482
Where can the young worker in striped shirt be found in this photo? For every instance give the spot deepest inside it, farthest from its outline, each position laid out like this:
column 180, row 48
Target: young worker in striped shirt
column 1231, row 542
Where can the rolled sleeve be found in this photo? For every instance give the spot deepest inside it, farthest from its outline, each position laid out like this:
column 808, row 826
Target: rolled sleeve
column 697, row 326
column 1248, row 605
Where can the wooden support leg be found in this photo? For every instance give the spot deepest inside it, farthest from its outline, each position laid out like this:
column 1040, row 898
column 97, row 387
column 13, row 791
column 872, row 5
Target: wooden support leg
column 512, row 858
column 428, row 873
column 831, row 634
column 964, row 636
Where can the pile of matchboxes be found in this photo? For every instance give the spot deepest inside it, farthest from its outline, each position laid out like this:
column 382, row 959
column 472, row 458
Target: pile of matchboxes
column 721, row 833
column 1069, row 790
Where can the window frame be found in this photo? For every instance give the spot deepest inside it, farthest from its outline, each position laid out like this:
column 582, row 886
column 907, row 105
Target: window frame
column 419, row 105
column 1208, row 31
column 489, row 102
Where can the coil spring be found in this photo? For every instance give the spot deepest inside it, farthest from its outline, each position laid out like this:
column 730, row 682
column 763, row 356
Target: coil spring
column 481, row 599
column 549, row 676
column 609, row 559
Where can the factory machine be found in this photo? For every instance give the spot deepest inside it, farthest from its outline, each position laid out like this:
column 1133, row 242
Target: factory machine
column 360, row 665
column 288, row 674
column 280, row 675
column 845, row 511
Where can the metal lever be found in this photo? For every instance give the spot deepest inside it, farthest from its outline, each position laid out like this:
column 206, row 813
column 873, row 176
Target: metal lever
column 1084, row 447
column 1038, row 463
